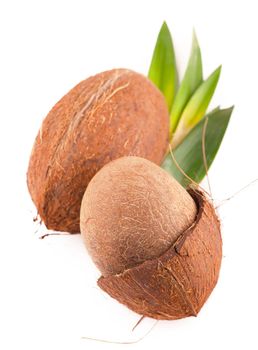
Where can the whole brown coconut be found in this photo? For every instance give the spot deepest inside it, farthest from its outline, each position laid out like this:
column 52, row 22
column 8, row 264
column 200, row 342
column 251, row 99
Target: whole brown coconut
column 109, row 115
column 157, row 246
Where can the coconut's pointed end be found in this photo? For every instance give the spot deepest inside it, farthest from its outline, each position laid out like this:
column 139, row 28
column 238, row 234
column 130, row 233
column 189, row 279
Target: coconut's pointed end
column 176, row 284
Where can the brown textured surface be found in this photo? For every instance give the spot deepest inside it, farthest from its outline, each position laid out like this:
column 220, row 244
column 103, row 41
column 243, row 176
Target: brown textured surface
column 132, row 211
column 178, row 283
column 112, row 114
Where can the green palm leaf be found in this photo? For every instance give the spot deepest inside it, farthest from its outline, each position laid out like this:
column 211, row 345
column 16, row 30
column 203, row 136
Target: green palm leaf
column 163, row 71
column 192, row 79
column 196, row 107
column 189, row 153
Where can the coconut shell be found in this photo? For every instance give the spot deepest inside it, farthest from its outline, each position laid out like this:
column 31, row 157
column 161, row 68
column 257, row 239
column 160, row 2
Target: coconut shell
column 176, row 284
column 107, row 116
column 133, row 211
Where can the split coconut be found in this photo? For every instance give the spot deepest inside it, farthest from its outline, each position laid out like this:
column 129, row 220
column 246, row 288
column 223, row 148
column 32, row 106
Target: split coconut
column 157, row 246
column 107, row 116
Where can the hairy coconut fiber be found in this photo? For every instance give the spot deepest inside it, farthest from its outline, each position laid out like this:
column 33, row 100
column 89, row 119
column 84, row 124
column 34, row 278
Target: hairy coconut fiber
column 176, row 282
column 107, row 116
column 133, row 211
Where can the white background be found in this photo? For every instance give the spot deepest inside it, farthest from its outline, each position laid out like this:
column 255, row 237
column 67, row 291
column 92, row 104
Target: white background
column 48, row 293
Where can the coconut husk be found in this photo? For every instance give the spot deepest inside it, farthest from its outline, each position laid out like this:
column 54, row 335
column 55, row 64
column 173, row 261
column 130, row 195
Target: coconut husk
column 176, row 284
column 107, row 116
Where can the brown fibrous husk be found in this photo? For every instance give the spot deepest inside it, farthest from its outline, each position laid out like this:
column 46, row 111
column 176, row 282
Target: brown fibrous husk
column 107, row 116
column 177, row 283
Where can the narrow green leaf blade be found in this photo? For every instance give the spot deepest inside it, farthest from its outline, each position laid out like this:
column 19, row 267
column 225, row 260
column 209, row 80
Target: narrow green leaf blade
column 192, row 79
column 196, row 107
column 189, row 155
column 163, row 71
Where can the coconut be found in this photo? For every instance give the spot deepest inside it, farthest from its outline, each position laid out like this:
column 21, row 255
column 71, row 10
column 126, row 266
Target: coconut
column 107, row 116
column 157, row 246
